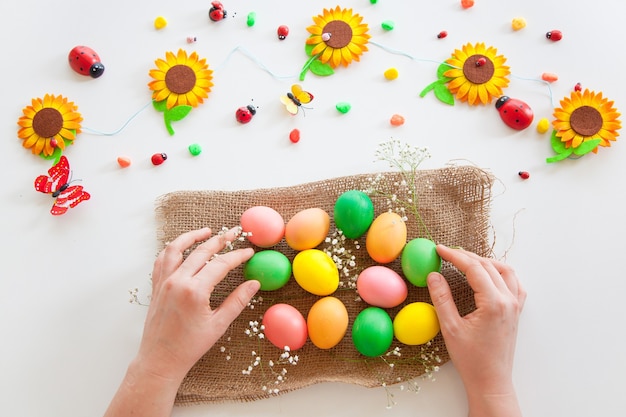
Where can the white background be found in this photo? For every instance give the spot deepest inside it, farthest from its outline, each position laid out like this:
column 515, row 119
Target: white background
column 67, row 329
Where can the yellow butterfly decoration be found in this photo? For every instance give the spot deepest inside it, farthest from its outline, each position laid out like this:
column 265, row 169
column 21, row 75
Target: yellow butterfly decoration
column 295, row 99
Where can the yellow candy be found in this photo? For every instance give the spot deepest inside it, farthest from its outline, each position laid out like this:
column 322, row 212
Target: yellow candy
column 518, row 23
column 543, row 125
column 160, row 22
column 391, row 74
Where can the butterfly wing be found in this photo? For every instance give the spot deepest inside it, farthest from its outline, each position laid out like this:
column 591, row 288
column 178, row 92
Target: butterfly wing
column 289, row 105
column 69, row 198
column 302, row 96
column 57, row 176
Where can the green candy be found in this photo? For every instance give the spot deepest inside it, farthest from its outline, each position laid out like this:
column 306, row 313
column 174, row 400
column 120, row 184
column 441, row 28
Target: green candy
column 251, row 19
column 353, row 213
column 372, row 332
column 271, row 268
column 343, row 107
column 419, row 258
column 195, row 149
column 388, row 25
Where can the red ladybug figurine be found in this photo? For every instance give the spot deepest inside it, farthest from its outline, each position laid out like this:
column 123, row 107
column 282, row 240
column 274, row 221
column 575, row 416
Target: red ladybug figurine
column 554, row 35
column 244, row 114
column 217, row 12
column 514, row 112
column 85, row 61
column 158, row 158
column 282, row 32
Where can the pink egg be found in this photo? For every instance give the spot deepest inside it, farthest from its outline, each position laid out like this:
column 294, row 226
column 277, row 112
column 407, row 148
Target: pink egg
column 285, row 326
column 381, row 287
column 265, row 225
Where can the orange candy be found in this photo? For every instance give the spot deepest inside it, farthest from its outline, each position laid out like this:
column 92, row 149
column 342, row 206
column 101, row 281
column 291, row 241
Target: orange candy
column 397, row 120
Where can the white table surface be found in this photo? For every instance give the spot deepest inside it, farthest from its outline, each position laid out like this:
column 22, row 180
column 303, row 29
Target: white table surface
column 68, row 331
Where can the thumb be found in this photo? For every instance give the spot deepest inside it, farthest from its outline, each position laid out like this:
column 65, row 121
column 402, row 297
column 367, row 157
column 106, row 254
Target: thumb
column 236, row 301
column 442, row 299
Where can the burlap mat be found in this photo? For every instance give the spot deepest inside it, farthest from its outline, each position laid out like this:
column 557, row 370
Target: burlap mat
column 454, row 204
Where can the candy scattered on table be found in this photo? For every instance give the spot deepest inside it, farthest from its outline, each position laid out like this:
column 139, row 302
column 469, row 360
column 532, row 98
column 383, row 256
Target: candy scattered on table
column 123, row 161
column 388, row 25
column 160, row 23
column 518, row 23
column 195, row 149
column 343, row 107
column 397, row 120
column 543, row 125
column 251, row 19
column 549, row 77
column 391, row 73
column 466, row 4
column 294, row 136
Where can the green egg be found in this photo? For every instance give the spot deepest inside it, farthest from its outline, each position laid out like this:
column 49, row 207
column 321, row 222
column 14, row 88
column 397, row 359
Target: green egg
column 372, row 332
column 271, row 268
column 420, row 258
column 353, row 213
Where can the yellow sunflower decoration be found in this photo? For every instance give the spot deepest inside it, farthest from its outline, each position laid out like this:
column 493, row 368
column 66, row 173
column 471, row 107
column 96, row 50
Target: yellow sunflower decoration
column 475, row 74
column 180, row 82
column 338, row 37
column 48, row 125
column 584, row 121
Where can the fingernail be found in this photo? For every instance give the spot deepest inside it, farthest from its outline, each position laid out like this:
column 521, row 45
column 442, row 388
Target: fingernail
column 253, row 287
column 434, row 279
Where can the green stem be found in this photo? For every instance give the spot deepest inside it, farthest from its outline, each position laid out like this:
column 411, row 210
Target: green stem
column 306, row 66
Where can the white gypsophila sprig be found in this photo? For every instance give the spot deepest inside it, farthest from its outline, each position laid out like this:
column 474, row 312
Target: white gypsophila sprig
column 403, row 197
column 343, row 257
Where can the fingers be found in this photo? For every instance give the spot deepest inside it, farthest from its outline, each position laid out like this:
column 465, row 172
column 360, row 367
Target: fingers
column 172, row 255
column 205, row 251
column 234, row 304
column 215, row 270
column 441, row 297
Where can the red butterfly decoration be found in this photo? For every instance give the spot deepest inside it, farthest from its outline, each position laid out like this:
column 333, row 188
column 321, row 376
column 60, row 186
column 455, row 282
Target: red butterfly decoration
column 58, row 185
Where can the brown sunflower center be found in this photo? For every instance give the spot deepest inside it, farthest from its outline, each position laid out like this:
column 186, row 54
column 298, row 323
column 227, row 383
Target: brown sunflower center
column 180, row 79
column 586, row 121
column 340, row 34
column 478, row 73
column 47, row 122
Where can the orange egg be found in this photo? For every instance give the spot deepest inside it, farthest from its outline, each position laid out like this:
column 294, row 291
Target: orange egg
column 307, row 229
column 327, row 322
column 386, row 237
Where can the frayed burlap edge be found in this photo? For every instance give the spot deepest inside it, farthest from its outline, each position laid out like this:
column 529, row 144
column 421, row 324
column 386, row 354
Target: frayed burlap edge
column 454, row 203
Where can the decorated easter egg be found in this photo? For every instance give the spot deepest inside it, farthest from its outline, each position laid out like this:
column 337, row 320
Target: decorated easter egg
column 316, row 272
column 381, row 287
column 271, row 268
column 353, row 213
column 416, row 323
column 266, row 226
column 386, row 237
column 285, row 326
column 420, row 258
column 372, row 331
column 307, row 228
column 327, row 322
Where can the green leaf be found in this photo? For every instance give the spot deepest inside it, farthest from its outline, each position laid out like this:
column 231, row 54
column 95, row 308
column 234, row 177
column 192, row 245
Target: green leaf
column 557, row 145
column 560, row 156
column 177, row 113
column 308, row 49
column 443, row 94
column 441, row 69
column 160, row 105
column 587, row 146
column 323, row 70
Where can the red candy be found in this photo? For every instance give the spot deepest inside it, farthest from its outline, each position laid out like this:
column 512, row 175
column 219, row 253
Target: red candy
column 294, row 136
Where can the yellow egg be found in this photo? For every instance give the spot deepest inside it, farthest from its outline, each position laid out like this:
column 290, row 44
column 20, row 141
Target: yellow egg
column 416, row 324
column 327, row 322
column 307, row 228
column 386, row 237
column 315, row 272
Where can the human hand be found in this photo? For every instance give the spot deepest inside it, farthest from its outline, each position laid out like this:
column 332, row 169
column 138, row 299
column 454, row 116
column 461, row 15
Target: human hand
column 482, row 343
column 181, row 326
